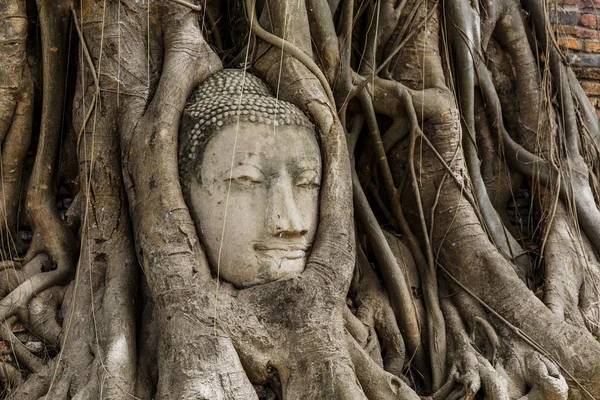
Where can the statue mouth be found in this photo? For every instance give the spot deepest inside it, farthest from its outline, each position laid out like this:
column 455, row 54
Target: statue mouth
column 282, row 251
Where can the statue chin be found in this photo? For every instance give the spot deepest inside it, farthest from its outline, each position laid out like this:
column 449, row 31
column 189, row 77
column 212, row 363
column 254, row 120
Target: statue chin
column 265, row 269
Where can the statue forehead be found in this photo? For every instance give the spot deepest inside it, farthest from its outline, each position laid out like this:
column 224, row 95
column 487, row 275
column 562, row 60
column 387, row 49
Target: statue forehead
column 230, row 97
column 264, row 145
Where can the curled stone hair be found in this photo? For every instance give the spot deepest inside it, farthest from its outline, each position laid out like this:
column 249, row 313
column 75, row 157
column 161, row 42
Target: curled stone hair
column 217, row 103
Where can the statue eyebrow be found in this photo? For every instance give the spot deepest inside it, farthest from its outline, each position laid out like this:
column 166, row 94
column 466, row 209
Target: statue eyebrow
column 302, row 163
column 251, row 156
column 305, row 159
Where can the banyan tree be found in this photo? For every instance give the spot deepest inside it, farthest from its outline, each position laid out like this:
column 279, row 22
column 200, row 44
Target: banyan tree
column 295, row 199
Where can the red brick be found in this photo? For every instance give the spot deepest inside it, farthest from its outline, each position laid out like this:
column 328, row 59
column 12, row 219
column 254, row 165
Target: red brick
column 591, row 88
column 592, row 46
column 588, row 20
column 588, row 73
column 593, row 101
column 577, row 31
column 569, row 43
column 598, row 113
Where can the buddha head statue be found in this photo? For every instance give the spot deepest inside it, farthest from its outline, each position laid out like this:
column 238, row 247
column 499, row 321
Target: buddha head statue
column 250, row 169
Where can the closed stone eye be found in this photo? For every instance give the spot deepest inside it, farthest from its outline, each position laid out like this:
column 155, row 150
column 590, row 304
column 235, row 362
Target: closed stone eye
column 308, row 179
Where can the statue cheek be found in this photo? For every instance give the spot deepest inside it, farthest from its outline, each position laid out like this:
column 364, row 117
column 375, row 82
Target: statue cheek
column 308, row 201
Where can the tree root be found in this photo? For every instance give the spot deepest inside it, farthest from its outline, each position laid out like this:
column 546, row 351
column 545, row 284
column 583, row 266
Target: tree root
column 394, row 279
column 51, row 235
column 435, row 324
column 466, row 40
column 375, row 313
column 289, row 48
column 376, row 383
column 545, row 379
column 42, row 319
column 572, row 273
column 474, row 371
column 22, row 354
column 16, row 112
column 10, row 377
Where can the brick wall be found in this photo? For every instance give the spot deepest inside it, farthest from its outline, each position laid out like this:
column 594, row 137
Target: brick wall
column 577, row 23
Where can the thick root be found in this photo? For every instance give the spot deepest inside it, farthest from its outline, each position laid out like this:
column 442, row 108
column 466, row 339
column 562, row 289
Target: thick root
column 572, row 273
column 475, row 372
column 375, row 313
column 531, row 375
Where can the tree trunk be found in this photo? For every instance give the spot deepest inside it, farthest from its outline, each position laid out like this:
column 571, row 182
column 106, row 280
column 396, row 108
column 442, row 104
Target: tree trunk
column 439, row 124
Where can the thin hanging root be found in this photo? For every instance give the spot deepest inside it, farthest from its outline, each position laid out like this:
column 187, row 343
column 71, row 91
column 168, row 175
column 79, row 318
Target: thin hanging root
column 95, row 77
column 188, row 5
column 576, row 188
column 429, row 276
column 394, row 96
column 358, row 88
column 214, row 29
column 4, row 265
column 289, row 48
column 344, row 82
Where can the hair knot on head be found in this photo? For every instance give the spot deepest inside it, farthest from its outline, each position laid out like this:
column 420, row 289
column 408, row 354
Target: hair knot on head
column 219, row 102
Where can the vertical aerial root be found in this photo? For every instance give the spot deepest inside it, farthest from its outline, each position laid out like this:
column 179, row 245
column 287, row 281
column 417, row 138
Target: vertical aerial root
column 375, row 312
column 394, row 279
column 289, row 48
column 14, row 149
column 16, row 105
column 435, row 320
column 323, row 34
column 49, row 227
column 50, row 230
column 465, row 38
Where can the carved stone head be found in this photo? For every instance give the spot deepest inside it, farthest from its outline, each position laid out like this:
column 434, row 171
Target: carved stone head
column 250, row 167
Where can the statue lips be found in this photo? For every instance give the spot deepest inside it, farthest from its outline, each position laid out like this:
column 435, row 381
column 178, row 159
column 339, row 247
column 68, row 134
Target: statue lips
column 282, row 250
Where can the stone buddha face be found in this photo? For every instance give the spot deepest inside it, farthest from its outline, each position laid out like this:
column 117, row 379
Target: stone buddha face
column 267, row 198
column 251, row 172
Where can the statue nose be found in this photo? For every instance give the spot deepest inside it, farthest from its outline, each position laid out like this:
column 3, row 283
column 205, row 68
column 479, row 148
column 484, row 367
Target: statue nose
column 285, row 217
